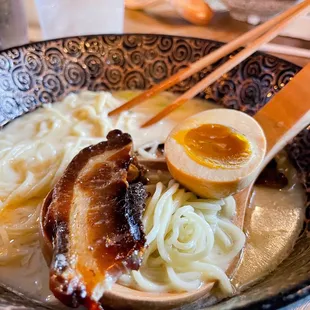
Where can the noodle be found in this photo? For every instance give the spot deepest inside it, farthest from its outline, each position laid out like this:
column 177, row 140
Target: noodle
column 183, row 234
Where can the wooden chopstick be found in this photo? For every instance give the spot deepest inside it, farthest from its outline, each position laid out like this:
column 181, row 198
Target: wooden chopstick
column 213, row 76
column 285, row 50
column 209, row 59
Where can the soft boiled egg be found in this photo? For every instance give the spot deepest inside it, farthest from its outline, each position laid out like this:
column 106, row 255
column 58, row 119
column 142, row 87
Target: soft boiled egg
column 216, row 153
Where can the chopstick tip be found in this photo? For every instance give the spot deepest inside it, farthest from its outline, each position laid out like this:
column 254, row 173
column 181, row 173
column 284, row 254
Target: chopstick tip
column 113, row 112
column 147, row 124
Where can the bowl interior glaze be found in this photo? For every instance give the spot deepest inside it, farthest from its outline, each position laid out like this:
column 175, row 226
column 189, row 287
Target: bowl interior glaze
column 46, row 72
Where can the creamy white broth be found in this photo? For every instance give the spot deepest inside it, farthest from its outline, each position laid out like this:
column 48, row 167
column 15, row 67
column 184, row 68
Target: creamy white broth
column 273, row 222
column 30, row 274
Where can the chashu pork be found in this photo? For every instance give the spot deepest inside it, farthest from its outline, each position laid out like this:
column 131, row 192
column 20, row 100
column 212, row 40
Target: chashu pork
column 93, row 220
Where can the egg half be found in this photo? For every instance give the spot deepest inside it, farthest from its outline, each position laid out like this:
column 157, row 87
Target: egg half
column 216, row 153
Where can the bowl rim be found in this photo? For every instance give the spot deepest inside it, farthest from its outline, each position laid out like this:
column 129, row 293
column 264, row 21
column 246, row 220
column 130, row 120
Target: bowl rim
column 141, row 34
column 284, row 298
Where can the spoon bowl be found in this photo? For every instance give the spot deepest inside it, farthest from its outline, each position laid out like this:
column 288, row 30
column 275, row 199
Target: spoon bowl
column 123, row 297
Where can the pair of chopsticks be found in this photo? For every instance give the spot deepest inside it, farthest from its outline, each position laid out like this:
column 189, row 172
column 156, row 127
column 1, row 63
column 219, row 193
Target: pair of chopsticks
column 253, row 39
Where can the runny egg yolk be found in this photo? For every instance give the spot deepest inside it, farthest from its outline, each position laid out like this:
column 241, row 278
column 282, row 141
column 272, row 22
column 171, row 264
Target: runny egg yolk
column 215, row 146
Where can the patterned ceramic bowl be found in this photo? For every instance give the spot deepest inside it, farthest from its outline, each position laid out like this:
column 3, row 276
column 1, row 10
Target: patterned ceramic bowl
column 46, row 72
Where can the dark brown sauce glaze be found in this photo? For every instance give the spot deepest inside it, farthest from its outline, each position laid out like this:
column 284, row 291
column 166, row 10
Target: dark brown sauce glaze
column 94, row 221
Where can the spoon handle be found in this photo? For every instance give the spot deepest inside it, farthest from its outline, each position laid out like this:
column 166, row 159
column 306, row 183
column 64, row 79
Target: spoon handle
column 286, row 114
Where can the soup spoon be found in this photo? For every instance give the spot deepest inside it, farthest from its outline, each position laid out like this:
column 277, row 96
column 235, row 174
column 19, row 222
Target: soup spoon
column 282, row 119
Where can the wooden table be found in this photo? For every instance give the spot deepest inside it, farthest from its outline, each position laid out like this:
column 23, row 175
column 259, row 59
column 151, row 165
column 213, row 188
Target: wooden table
column 221, row 28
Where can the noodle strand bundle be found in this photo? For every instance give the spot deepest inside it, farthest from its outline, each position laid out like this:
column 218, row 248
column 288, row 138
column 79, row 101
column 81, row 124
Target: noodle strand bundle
column 191, row 241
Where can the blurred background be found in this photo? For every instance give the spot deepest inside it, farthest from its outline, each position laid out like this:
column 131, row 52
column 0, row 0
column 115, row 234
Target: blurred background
column 23, row 21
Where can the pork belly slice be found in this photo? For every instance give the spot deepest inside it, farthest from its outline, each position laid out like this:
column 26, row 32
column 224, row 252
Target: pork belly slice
column 93, row 220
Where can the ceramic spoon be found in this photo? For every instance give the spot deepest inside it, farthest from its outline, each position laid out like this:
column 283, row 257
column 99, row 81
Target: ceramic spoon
column 282, row 119
column 194, row 11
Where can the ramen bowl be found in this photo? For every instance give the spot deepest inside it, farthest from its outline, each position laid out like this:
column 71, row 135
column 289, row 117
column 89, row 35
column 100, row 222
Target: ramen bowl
column 46, row 72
